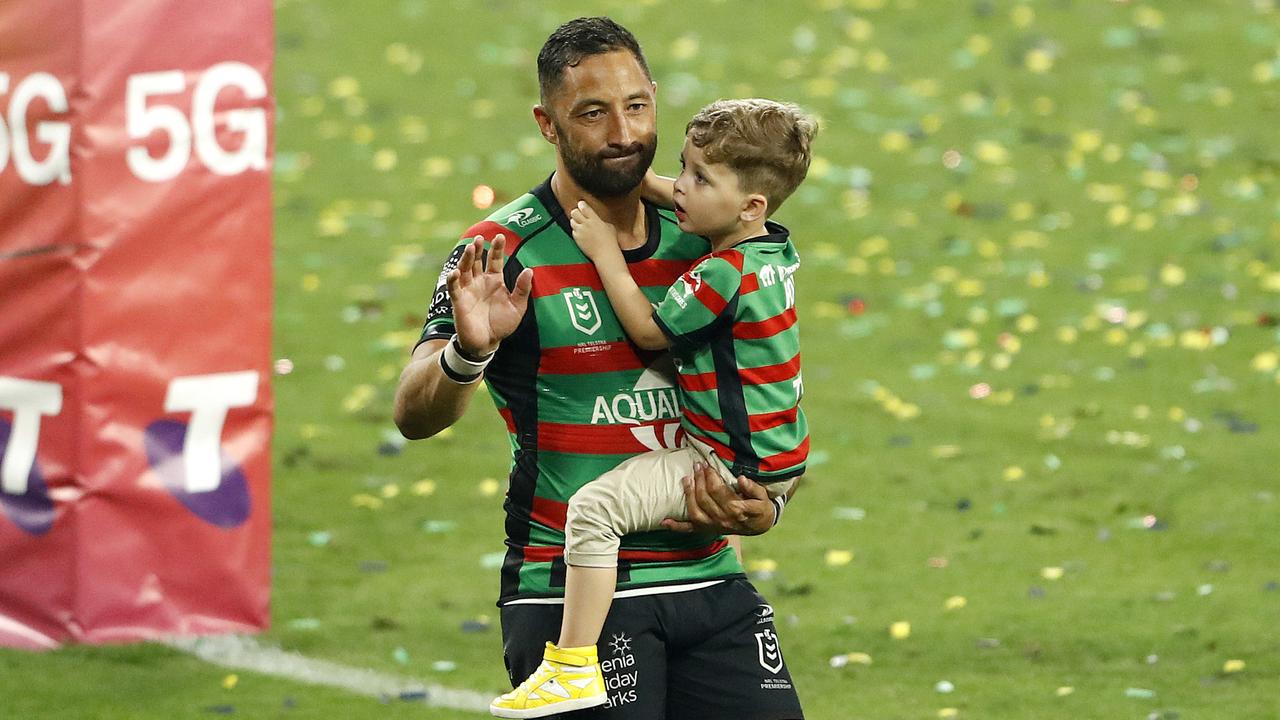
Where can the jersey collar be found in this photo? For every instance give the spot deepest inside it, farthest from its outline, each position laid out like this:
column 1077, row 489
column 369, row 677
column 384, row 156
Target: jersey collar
column 652, row 223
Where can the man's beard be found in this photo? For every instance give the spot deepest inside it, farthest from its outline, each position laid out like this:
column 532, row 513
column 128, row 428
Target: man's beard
column 592, row 173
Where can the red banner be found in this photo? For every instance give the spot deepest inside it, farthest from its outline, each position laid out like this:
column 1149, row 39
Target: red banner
column 135, row 319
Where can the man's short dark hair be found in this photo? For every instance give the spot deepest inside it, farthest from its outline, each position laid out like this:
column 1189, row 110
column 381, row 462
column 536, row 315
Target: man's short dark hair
column 577, row 39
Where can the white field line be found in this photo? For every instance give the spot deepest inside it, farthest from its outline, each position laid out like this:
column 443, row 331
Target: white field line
column 245, row 653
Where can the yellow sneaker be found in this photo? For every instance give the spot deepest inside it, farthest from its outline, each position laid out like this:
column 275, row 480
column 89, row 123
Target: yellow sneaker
column 568, row 679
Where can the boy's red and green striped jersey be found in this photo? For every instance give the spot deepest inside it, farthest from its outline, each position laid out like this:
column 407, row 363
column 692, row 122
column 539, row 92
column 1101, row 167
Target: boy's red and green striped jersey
column 578, row 397
column 732, row 323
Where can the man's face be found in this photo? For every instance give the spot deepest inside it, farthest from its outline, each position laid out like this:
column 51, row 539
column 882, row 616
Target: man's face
column 604, row 122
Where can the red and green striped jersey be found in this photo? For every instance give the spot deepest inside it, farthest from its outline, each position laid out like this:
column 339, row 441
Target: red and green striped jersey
column 732, row 324
column 578, row 397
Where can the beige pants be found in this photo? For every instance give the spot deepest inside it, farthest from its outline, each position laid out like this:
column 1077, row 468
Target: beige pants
column 637, row 495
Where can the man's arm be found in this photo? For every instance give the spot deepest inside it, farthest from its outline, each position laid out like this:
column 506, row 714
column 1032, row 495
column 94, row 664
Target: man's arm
column 427, row 399
column 658, row 189
column 599, row 242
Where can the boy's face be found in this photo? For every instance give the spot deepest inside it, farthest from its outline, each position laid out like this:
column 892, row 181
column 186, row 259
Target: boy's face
column 708, row 198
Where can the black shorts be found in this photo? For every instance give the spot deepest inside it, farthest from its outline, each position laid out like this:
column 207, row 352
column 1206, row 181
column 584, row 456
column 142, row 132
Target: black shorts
column 703, row 654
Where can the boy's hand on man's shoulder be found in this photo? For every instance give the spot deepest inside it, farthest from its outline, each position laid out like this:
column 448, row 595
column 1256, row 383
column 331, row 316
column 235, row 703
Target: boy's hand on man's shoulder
column 590, row 231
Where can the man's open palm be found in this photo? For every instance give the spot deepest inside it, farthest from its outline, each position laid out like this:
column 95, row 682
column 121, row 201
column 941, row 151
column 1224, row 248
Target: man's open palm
column 484, row 311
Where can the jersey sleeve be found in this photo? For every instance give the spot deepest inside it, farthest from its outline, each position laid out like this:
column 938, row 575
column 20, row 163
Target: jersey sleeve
column 439, row 324
column 698, row 301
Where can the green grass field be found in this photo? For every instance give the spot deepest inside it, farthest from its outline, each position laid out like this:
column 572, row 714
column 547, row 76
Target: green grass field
column 1039, row 305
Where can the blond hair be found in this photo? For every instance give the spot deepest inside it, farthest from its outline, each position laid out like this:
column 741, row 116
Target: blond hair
column 765, row 143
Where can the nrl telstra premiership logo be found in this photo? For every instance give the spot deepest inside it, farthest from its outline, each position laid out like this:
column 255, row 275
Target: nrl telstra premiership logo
column 583, row 312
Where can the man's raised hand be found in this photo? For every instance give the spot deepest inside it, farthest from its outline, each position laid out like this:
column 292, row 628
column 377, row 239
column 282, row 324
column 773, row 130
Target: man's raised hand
column 484, row 311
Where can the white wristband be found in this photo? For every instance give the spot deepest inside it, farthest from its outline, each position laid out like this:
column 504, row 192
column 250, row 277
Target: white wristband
column 458, row 368
column 779, row 504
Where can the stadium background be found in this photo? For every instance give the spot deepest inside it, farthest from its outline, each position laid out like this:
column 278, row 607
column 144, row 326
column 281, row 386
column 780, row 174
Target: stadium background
column 1040, row 303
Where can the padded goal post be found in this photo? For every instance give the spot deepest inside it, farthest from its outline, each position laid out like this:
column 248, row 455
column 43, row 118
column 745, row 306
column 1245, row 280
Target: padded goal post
column 135, row 319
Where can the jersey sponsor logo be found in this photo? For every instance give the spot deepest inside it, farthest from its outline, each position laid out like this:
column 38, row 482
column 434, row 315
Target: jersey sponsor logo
column 524, row 217
column 441, row 304
column 652, row 398
column 583, row 312
column 769, row 654
column 764, row 614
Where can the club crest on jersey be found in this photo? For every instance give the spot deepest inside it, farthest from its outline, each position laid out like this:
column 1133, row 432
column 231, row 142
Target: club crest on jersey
column 770, row 655
column 583, row 312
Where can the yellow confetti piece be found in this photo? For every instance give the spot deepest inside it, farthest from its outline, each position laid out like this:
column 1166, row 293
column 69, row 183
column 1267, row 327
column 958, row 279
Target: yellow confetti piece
column 1013, row 473
column 397, row 53
column 1029, row 240
column 955, row 602
column 1221, row 96
column 1086, row 141
column 229, row 682
column 1195, row 340
column 1043, row 106
column 359, row 398
column 900, row 630
column 489, row 487
column 945, row 452
column 991, row 152
column 437, row 167
column 423, row 488
column 1233, row 666
column 859, row 30
column 312, row 106
column 970, row 287
column 948, row 713
column 858, row 658
column 310, row 282
column 365, row 500
column 762, row 565
column 390, row 490
column 1064, row 691
column 685, row 47
column 483, row 109
column 1119, row 215
column 1052, row 573
column 979, row 45
column 1027, row 324
column 873, row 245
column 1271, row 282
column 1022, row 15
column 876, row 61
column 344, row 86
column 819, row 167
column 1038, row 61
column 1264, row 72
column 1265, row 361
column 384, row 160
column 1145, row 16
column 894, row 141
column 836, row 558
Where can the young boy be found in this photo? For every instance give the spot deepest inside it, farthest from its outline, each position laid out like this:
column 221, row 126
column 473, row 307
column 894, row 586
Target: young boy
column 731, row 325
